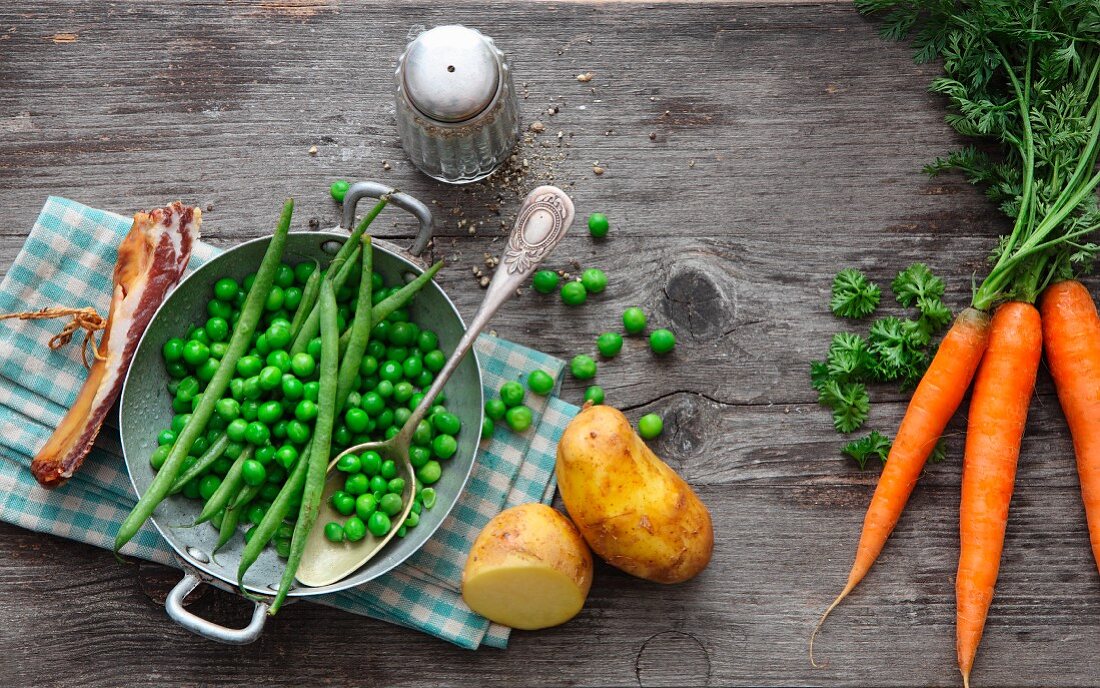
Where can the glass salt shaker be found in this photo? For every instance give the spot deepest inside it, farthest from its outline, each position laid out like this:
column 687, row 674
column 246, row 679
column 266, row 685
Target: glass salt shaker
column 457, row 114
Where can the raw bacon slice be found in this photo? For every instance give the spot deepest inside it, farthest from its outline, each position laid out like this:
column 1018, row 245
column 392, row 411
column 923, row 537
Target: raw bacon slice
column 151, row 261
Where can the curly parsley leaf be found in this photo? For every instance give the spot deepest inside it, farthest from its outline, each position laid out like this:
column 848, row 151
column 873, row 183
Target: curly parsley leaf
column 849, row 402
column 854, row 296
column 849, row 357
column 873, row 445
column 916, row 282
column 939, row 452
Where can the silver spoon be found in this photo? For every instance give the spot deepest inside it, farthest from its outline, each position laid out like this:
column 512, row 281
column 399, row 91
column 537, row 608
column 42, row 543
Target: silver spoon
column 543, row 218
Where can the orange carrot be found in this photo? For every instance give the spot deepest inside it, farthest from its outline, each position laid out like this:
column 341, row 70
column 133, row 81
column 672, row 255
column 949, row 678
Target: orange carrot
column 1071, row 338
column 998, row 412
column 934, row 402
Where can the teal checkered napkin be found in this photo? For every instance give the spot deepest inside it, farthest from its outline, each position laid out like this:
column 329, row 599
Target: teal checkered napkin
column 67, row 260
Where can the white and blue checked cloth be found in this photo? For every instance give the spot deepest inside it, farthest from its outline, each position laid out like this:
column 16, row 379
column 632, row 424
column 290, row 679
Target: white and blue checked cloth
column 67, row 261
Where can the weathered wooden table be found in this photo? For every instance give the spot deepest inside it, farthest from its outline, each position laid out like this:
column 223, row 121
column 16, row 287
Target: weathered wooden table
column 750, row 150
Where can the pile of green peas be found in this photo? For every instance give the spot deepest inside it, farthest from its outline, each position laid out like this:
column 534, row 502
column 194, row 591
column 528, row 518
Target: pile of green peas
column 270, row 406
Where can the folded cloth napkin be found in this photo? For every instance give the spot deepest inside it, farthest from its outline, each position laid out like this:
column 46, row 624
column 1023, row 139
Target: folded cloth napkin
column 67, row 261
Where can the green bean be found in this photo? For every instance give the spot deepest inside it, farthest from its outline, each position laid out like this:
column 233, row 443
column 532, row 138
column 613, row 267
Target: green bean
column 313, row 321
column 400, row 299
column 359, row 330
column 209, row 456
column 233, row 514
column 273, row 518
column 322, row 439
column 242, row 337
column 309, row 298
column 353, row 239
column 231, row 483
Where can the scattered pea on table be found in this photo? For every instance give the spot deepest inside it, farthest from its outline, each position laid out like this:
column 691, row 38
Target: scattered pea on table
column 583, row 367
column 594, row 280
column 598, row 225
column 338, row 189
column 545, row 281
column 573, row 294
column 650, row 425
column 540, row 382
column 662, row 341
column 609, row 344
column 634, row 320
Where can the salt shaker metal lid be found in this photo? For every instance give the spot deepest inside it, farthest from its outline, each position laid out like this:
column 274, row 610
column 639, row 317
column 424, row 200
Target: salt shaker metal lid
column 457, row 112
column 451, row 73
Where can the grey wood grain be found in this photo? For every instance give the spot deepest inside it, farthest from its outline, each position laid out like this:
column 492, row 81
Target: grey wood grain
column 750, row 151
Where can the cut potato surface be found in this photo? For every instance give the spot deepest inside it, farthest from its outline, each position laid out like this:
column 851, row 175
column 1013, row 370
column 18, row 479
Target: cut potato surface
column 529, row 569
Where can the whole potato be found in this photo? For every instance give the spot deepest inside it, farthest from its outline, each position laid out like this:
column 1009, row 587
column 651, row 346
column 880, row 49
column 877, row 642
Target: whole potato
column 529, row 568
column 634, row 511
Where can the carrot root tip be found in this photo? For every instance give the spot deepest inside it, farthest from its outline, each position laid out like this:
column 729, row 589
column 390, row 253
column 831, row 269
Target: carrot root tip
column 839, row 598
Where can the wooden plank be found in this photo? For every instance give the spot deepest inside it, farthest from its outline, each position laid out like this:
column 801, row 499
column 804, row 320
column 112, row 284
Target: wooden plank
column 750, row 151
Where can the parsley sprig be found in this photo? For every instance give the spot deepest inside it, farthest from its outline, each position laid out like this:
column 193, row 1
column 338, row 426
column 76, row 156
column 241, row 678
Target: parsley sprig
column 894, row 349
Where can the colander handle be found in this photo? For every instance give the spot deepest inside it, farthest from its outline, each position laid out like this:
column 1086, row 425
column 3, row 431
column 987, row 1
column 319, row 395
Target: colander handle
column 208, row 629
column 401, row 200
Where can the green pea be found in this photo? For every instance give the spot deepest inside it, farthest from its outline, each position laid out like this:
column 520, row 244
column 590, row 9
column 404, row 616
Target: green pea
column 354, row 529
column 173, row 350
column 418, row 456
column 334, row 532
column 297, row 431
column 388, row 469
column 598, row 225
column 378, row 524
column 365, row 504
column 403, row 391
column 356, row 419
column 413, row 520
column 206, row 371
column 422, row 436
column 270, row 412
column 280, row 359
column 302, row 271
column 372, row 403
column 594, row 280
column 384, row 419
column 370, row 462
column 650, row 426
column 311, row 390
column 253, row 472
column 156, row 460
column 284, row 275
column 661, row 341
column 293, row 389
column 249, row 409
column 262, row 347
column 427, row 497
column 518, row 418
column 222, row 465
column 305, row 411
column 634, row 320
column 275, row 298
column 343, row 502
column 292, row 298
column 199, row 447
column 218, row 350
column 191, row 489
column 257, row 433
column 227, row 408
column 424, row 379
column 412, row 367
column 282, row 547
column 248, row 366
column 179, row 421
column 434, row 360
column 303, row 365
column 539, row 382
column 314, row 348
column 236, row 430
column 166, row 437
column 208, row 486
column 200, row 335
column 609, row 344
column 495, row 409
column 176, row 370
column 401, row 416
column 444, row 446
column 195, row 353
column 225, row 289
column 396, row 486
column 218, row 329
column 573, row 294
column 414, row 401
column 342, row 436
column 427, row 341
column 487, row 428
column 220, row 309
column 511, row 393
column 349, row 463
column 545, row 281
column 594, row 394
column 338, row 190
column 447, row 423
column 270, row 378
column 286, row 455
column 378, row 483
column 356, row 484
column 390, row 371
column 278, row 336
column 583, row 367
column 429, row 472
column 391, row 504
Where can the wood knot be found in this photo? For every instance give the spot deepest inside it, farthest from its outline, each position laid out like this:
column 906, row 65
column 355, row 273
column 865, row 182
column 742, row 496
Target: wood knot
column 696, row 304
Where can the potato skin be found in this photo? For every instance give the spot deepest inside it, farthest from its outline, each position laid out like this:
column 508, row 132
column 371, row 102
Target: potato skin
column 532, row 535
column 636, row 513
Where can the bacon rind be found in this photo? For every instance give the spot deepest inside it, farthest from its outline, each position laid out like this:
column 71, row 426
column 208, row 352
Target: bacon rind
column 151, row 261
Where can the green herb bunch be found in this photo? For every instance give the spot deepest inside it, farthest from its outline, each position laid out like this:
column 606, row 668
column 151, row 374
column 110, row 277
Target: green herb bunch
column 893, row 350
column 1024, row 77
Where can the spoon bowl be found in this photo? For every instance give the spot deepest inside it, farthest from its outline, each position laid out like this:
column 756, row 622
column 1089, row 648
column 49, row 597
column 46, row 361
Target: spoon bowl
column 541, row 223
